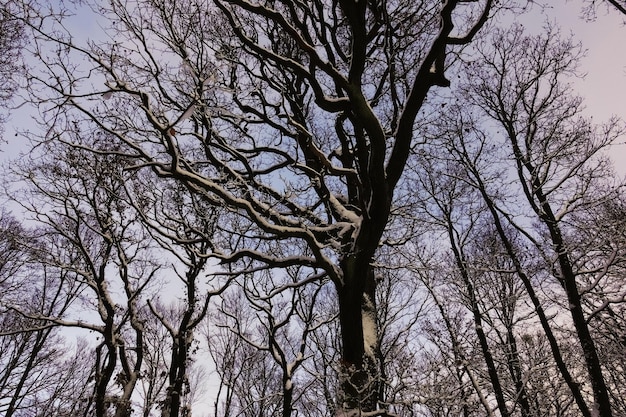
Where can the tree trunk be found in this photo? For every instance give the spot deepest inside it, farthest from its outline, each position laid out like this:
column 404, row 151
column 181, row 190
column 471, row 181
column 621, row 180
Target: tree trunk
column 515, row 370
column 492, row 370
column 568, row 281
column 592, row 361
column 359, row 336
column 543, row 319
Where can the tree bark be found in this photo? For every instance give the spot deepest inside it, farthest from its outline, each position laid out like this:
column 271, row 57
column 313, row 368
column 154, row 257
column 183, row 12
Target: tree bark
column 359, row 335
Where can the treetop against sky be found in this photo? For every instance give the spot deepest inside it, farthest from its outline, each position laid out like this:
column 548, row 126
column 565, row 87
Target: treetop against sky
column 603, row 70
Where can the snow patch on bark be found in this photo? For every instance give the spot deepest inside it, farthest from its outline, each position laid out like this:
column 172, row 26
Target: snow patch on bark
column 370, row 331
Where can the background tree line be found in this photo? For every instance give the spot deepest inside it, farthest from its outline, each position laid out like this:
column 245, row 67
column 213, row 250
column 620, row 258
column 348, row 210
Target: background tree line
column 289, row 209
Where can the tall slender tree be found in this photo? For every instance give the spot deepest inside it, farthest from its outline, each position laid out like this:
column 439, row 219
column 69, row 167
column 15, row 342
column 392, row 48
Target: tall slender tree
column 557, row 167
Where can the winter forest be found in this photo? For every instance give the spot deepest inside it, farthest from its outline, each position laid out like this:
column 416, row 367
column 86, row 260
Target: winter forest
column 325, row 208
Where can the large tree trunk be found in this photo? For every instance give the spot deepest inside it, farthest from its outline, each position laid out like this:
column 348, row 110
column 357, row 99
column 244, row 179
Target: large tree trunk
column 359, row 336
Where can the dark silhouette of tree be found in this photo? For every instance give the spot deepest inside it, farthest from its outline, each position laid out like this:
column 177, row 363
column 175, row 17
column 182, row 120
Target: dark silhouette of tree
column 591, row 7
column 297, row 119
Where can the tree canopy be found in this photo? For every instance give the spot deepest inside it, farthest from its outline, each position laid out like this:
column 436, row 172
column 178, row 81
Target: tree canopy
column 298, row 191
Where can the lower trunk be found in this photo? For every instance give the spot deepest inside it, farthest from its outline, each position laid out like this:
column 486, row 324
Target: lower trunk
column 592, row 361
column 568, row 281
column 103, row 377
column 516, row 372
column 177, row 378
column 287, row 396
column 359, row 336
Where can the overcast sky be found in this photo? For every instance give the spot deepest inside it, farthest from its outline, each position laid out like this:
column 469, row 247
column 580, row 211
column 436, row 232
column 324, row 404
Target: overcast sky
column 604, row 85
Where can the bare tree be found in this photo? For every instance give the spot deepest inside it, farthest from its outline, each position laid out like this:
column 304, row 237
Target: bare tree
column 600, row 233
column 558, row 169
column 456, row 209
column 250, row 380
column 298, row 118
column 590, row 8
column 453, row 369
column 103, row 257
column 273, row 137
column 69, row 392
column 183, row 226
column 261, row 341
column 29, row 350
